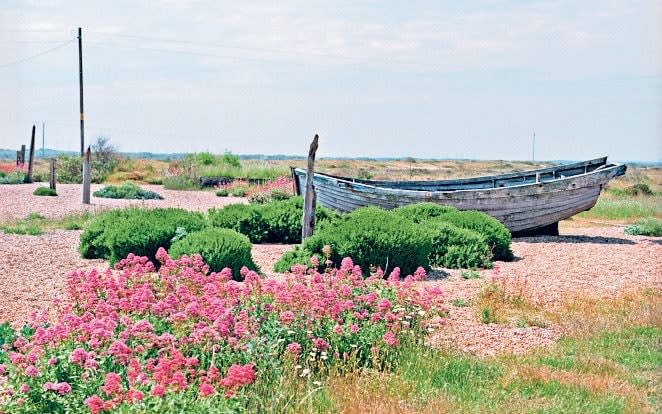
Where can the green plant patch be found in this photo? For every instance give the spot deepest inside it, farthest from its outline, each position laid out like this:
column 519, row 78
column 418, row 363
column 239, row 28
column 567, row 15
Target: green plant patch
column 496, row 235
column 44, row 191
column 296, row 256
column 114, row 234
column 128, row 191
column 222, row 192
column 455, row 247
column 219, row 248
column 649, row 226
column 374, row 237
column 422, row 212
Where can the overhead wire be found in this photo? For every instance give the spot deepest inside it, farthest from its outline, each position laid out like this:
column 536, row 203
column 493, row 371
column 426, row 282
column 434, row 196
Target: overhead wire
column 36, row 55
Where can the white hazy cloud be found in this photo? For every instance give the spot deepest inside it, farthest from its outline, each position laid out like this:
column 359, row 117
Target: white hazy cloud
column 441, row 79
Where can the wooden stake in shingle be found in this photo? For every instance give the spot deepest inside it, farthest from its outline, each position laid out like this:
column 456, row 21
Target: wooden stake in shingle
column 28, row 179
column 310, row 198
column 53, row 179
column 87, row 176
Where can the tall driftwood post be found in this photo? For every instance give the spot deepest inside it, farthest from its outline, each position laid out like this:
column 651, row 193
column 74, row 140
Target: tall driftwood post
column 310, row 197
column 22, row 154
column 18, row 157
column 52, row 181
column 87, row 176
column 28, row 179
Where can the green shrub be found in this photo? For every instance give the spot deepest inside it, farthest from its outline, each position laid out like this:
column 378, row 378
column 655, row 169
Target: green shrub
column 649, row 226
column 44, row 191
column 222, row 192
column 422, row 212
column 238, row 192
column 272, row 222
column 279, row 195
column 128, row 191
column 114, row 234
column 14, row 177
column 242, row 218
column 219, row 248
column 496, row 235
column 454, row 247
column 374, row 237
column 259, row 198
column 70, row 170
column 180, row 182
column 30, row 229
column 298, row 255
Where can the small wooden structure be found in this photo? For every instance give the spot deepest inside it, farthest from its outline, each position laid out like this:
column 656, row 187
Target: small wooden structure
column 524, row 202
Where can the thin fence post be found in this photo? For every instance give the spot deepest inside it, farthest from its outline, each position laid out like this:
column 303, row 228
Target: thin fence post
column 31, row 162
column 310, row 197
column 53, row 180
column 87, row 176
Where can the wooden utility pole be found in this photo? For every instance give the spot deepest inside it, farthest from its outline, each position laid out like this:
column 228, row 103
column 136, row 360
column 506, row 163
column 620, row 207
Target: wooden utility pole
column 87, row 176
column 310, row 197
column 53, row 180
column 80, row 78
column 28, row 179
column 43, row 139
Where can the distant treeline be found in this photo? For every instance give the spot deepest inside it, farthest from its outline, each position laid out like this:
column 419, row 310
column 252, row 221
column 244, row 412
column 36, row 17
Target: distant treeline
column 8, row 154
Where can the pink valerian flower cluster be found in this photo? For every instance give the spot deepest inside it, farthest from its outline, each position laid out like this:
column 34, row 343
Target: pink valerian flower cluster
column 280, row 183
column 110, row 318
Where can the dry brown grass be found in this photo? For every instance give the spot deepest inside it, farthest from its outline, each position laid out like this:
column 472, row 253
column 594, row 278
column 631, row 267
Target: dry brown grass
column 381, row 393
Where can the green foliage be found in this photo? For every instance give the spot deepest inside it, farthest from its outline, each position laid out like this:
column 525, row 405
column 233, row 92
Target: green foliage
column 625, row 208
column 30, row 229
column 219, row 248
column 180, row 182
column 70, row 169
column 496, row 235
column 279, row 195
column 649, row 226
column 259, row 198
column 455, row 247
column 127, row 190
column 14, row 177
column 44, row 191
column 238, row 191
column 298, row 255
column 487, row 316
column 460, row 303
column 638, row 189
column 470, row 274
column 272, row 222
column 374, row 237
column 231, row 159
column 222, row 192
column 422, row 212
column 114, row 234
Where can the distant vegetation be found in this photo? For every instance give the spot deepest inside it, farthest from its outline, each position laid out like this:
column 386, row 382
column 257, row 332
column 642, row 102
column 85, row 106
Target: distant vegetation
column 649, row 226
column 127, row 190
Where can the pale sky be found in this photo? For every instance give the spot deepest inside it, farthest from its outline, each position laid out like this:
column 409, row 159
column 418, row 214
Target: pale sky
column 442, row 79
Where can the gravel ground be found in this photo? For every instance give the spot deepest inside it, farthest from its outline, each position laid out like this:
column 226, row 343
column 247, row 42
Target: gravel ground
column 17, row 201
column 595, row 261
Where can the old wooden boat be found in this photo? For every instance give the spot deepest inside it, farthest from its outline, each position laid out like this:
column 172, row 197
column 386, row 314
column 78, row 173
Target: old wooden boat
column 530, row 202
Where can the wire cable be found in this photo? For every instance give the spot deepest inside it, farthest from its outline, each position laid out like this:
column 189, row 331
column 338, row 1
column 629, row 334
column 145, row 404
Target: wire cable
column 25, row 59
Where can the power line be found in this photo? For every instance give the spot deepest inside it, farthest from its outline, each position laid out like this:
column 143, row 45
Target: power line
column 25, row 59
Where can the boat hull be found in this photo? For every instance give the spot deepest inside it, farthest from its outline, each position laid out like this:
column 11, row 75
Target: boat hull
column 521, row 208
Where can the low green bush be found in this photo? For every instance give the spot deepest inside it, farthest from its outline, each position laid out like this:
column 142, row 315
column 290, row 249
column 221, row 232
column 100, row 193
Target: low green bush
column 298, row 255
column 14, row 177
column 219, row 248
column 272, row 222
column 238, row 192
column 259, row 198
column 70, row 170
column 279, row 195
column 422, row 212
column 180, row 182
column 454, row 247
column 222, row 192
column 114, row 234
column 44, row 191
column 128, row 191
column 374, row 237
column 496, row 235
column 649, row 226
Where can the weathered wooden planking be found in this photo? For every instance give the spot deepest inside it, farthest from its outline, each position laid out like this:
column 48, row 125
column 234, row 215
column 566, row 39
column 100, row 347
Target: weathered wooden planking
column 526, row 201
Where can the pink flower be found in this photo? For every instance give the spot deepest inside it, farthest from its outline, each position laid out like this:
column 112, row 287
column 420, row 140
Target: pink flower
column 337, row 329
column 134, row 395
column 52, row 361
column 206, row 389
column 390, row 339
column 320, row 344
column 287, row 317
column 24, row 388
column 31, row 371
column 354, row 328
column 63, row 388
column 78, row 356
column 95, row 404
column 294, row 349
column 384, row 305
column 112, row 384
column 158, row 390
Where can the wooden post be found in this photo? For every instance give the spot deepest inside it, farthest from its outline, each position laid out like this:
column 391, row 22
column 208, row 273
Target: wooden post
column 22, row 154
column 80, row 87
column 28, row 179
column 53, row 180
column 87, row 173
column 18, row 157
column 310, row 197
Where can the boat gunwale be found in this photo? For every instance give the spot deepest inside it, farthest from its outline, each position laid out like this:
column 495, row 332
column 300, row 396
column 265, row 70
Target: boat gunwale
column 607, row 167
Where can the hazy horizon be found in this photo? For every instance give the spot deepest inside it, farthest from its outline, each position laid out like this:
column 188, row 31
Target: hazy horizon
column 423, row 79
